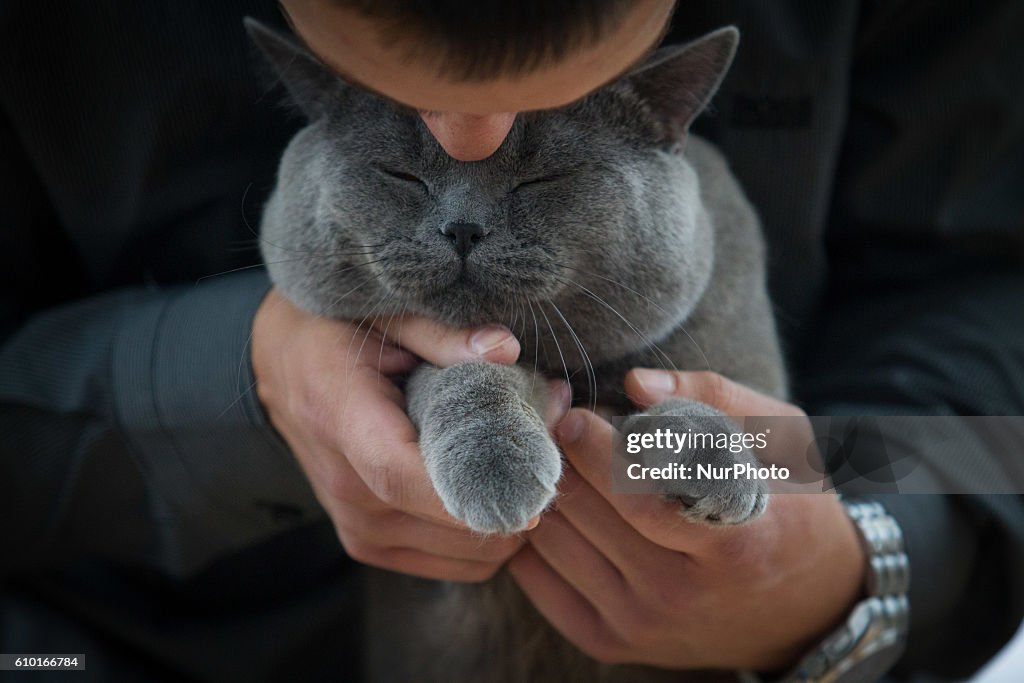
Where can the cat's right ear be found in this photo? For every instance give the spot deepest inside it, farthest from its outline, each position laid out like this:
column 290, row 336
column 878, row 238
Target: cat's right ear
column 309, row 82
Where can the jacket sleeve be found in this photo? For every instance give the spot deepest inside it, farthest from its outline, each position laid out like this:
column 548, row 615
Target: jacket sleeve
column 939, row 349
column 925, row 308
column 129, row 428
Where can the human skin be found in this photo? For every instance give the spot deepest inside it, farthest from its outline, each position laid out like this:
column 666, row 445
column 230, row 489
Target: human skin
column 627, row 579
column 623, row 577
column 471, row 119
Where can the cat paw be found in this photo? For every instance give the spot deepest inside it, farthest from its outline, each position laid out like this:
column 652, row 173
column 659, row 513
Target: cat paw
column 723, row 507
column 713, row 492
column 494, row 473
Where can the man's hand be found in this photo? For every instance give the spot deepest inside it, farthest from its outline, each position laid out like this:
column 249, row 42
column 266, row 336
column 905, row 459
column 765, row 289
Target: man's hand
column 326, row 387
column 627, row 579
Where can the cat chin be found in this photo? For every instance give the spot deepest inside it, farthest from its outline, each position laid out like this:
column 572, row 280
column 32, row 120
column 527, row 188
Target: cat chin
column 464, row 304
column 456, row 314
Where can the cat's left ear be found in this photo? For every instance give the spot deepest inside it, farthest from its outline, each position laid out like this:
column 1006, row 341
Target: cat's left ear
column 677, row 82
column 309, row 82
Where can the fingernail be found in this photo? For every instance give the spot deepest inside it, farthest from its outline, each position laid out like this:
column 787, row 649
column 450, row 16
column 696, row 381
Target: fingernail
column 487, row 339
column 532, row 524
column 571, row 428
column 562, row 398
column 655, row 383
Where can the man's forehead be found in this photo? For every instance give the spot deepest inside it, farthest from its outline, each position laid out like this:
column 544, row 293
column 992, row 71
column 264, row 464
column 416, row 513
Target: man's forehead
column 349, row 43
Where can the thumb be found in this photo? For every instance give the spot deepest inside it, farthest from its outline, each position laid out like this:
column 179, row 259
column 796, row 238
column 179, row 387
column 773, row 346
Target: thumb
column 647, row 387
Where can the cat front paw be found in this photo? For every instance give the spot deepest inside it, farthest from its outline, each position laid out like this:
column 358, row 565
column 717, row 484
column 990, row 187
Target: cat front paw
column 714, row 491
column 495, row 471
column 739, row 503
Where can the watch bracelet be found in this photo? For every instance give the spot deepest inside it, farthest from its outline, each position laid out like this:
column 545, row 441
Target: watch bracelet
column 882, row 540
column 883, row 615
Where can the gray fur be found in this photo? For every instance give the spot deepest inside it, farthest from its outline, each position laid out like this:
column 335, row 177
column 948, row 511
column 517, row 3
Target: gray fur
column 606, row 246
column 485, row 444
column 703, row 498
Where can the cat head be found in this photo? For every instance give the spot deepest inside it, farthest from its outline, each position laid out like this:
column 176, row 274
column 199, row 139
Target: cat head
column 589, row 211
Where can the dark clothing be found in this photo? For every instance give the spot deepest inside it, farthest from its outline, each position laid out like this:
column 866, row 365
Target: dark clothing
column 150, row 515
column 883, row 146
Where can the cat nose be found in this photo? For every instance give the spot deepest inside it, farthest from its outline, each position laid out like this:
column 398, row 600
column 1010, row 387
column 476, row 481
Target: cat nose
column 463, row 236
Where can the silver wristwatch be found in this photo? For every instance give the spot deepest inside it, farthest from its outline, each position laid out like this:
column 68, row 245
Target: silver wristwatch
column 864, row 648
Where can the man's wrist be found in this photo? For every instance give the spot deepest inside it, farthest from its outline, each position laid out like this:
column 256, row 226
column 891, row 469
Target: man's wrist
column 871, row 638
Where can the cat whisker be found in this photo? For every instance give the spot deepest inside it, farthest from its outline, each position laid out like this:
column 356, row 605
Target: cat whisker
column 587, row 364
column 558, row 346
column 244, row 245
column 257, row 235
column 245, row 219
column 228, row 272
column 350, row 249
column 372, row 317
column 384, row 336
column 359, row 265
column 349, row 362
column 536, row 347
column 338, row 300
column 655, row 349
column 260, row 238
column 523, row 326
column 616, row 282
column 401, row 321
column 659, row 354
column 369, row 330
column 537, row 338
column 241, row 395
column 341, row 298
column 693, row 341
column 510, row 306
column 236, row 270
column 242, row 358
column 262, row 264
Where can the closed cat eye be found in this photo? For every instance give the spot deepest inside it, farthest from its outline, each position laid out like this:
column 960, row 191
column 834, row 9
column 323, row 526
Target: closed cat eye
column 402, row 175
column 542, row 180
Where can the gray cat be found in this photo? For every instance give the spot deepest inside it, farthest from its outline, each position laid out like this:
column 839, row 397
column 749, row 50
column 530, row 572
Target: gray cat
column 601, row 233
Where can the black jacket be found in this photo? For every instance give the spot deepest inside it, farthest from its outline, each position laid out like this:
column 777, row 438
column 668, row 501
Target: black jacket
column 149, row 514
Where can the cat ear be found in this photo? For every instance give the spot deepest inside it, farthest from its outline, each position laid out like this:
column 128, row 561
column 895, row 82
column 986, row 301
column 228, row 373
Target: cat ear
column 677, row 82
column 309, row 82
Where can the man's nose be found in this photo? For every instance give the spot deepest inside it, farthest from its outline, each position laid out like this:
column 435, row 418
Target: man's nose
column 469, row 137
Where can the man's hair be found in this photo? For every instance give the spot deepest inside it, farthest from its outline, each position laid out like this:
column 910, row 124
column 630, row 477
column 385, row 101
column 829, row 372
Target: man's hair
column 474, row 40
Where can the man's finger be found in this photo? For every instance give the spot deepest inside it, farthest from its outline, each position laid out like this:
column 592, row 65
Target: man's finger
column 646, row 387
column 444, row 346
column 587, row 442
column 577, row 561
column 393, row 529
column 559, row 402
column 597, row 521
column 563, row 607
column 367, row 347
column 424, row 565
column 348, row 491
column 792, row 443
column 382, row 446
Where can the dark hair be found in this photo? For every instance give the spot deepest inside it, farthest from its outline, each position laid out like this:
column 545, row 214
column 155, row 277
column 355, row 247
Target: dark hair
column 472, row 40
